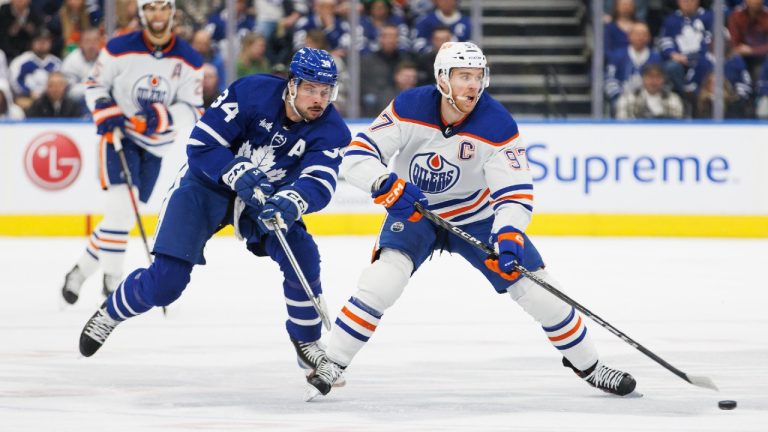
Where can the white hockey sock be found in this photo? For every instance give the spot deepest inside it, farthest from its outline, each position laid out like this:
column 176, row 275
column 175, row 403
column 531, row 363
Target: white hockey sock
column 111, row 235
column 564, row 327
column 353, row 327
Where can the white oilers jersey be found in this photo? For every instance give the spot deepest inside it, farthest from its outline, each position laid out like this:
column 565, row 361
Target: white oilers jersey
column 132, row 73
column 468, row 171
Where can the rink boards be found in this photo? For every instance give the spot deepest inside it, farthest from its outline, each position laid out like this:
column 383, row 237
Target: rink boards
column 590, row 178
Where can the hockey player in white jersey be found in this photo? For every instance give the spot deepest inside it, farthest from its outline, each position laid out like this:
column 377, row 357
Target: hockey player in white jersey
column 149, row 85
column 459, row 154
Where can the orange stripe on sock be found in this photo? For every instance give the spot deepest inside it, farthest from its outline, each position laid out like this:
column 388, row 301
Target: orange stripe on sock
column 357, row 319
column 569, row 334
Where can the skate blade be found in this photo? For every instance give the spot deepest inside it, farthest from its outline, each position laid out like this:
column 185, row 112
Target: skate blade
column 310, row 393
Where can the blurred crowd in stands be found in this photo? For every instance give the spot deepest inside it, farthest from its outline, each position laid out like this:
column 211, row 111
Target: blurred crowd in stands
column 660, row 63
column 47, row 47
column 658, row 53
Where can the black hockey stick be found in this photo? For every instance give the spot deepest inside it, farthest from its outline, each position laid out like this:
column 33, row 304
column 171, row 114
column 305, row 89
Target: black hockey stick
column 700, row 381
column 117, row 141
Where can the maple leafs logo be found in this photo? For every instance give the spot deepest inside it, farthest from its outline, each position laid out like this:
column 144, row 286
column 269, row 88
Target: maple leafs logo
column 264, row 159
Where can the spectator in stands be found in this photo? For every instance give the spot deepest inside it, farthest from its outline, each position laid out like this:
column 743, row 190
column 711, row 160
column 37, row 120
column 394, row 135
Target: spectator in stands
column 253, row 58
column 706, row 97
column 624, row 65
column 276, row 15
column 18, row 24
column 29, row 71
column 211, row 86
column 736, row 75
column 616, row 35
column 323, row 17
column 652, row 101
column 762, row 93
column 748, row 27
column 126, row 12
column 379, row 13
column 640, row 10
column 54, row 102
column 183, row 26
column 426, row 62
column 406, row 76
column 78, row 64
column 217, row 23
column 201, row 42
column 446, row 13
column 198, row 11
column 280, row 44
column 67, row 25
column 379, row 66
column 8, row 109
column 685, row 38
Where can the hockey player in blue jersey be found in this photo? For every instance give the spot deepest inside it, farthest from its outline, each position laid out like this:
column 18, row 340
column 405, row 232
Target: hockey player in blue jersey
column 154, row 78
column 459, row 153
column 263, row 137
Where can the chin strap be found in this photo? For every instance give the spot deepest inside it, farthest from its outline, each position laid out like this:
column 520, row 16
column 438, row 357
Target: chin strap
column 292, row 97
column 449, row 96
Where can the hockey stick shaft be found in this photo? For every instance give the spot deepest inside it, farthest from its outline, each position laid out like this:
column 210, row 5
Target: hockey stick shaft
column 117, row 141
column 316, row 300
column 700, row 381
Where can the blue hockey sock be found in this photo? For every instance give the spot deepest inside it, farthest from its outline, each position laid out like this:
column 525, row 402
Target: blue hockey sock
column 303, row 322
column 125, row 302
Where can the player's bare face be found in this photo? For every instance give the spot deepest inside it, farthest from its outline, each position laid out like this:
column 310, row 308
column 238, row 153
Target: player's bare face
column 466, row 84
column 312, row 99
column 158, row 17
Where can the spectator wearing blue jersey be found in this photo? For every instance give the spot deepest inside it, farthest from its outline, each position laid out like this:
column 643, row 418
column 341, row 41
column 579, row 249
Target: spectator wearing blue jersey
column 426, row 62
column 737, row 85
column 379, row 13
column 244, row 19
column 29, row 71
column 266, row 152
column 623, row 72
column 685, row 38
column 446, row 13
column 323, row 16
column 762, row 93
column 616, row 35
column 378, row 86
column 201, row 42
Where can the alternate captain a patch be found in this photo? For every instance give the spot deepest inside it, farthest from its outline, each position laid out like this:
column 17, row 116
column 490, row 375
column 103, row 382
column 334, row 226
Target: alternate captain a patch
column 432, row 173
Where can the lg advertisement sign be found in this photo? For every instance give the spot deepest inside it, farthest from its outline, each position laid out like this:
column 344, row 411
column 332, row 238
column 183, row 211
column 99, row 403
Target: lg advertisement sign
column 52, row 161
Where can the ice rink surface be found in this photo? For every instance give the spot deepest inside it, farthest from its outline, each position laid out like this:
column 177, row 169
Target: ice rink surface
column 451, row 355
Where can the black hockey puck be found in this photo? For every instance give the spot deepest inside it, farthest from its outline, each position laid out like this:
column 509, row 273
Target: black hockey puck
column 726, row 404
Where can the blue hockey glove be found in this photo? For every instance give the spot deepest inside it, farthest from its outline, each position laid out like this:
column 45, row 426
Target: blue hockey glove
column 398, row 197
column 510, row 243
column 250, row 184
column 152, row 119
column 285, row 208
column 108, row 116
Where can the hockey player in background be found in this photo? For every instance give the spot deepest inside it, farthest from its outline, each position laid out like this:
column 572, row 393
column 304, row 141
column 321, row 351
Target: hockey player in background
column 147, row 84
column 264, row 136
column 460, row 155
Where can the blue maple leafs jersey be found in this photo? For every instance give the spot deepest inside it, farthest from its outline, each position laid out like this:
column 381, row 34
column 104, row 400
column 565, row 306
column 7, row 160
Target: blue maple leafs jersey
column 248, row 120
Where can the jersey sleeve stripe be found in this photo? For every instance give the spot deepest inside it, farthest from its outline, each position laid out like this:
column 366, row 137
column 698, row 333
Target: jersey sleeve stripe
column 517, row 187
column 466, row 216
column 195, row 142
column 503, row 203
column 215, row 135
column 368, row 140
column 323, row 182
column 320, row 168
column 513, row 197
column 358, row 153
column 456, row 201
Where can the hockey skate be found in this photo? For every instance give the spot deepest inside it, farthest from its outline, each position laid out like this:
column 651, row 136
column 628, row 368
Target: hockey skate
column 96, row 331
column 110, row 284
column 309, row 355
column 325, row 377
column 73, row 282
column 605, row 378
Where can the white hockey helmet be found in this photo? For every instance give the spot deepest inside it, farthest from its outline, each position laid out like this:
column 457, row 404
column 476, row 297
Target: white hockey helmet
column 141, row 3
column 459, row 55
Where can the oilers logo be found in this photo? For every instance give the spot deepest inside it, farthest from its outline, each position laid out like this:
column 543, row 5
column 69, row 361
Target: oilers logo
column 432, row 173
column 149, row 89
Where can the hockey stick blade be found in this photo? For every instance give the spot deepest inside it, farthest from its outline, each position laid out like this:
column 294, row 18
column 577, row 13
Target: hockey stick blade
column 699, row 381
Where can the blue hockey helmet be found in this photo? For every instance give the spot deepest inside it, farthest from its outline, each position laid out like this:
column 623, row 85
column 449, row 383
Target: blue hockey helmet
column 315, row 65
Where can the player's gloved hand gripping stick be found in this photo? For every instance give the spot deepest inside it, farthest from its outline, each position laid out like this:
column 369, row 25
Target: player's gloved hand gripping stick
column 700, row 381
column 276, row 224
